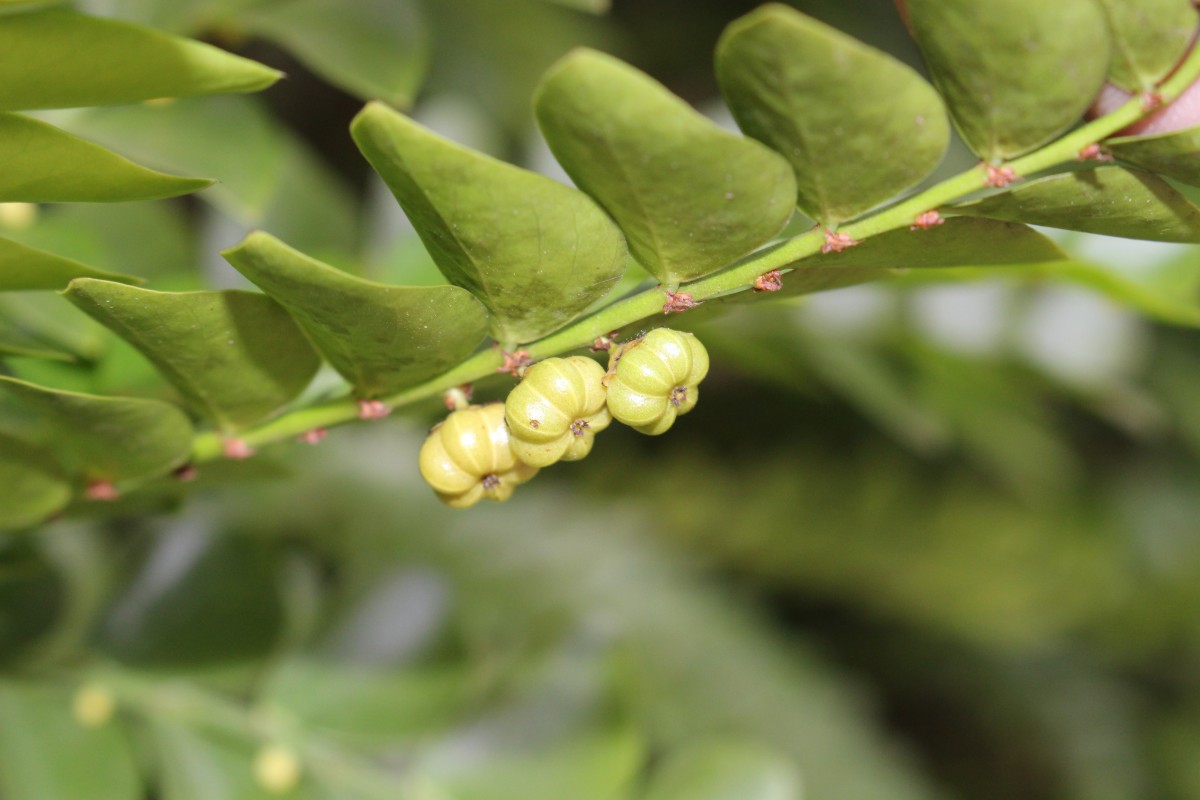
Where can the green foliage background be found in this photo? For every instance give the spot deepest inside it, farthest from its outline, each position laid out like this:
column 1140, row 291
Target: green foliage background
column 934, row 538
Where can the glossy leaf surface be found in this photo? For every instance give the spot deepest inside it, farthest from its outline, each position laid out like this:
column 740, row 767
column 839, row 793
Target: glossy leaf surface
column 1173, row 155
column 34, row 488
column 43, row 164
column 690, row 197
column 108, row 438
column 380, row 338
column 236, row 357
column 725, row 771
column 373, row 49
column 1015, row 73
column 858, row 126
column 48, row 755
column 60, row 59
column 1108, row 200
column 26, row 268
column 1149, row 37
column 535, row 252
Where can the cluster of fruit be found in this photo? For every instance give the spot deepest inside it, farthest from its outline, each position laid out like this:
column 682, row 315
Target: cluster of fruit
column 554, row 413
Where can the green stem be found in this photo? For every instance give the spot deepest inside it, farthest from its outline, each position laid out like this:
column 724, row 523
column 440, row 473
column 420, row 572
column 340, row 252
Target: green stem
column 739, row 277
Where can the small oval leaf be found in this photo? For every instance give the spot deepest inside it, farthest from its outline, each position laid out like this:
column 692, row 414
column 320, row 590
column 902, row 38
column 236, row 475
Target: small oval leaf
column 27, row 268
column 34, row 487
column 380, row 338
column 858, row 126
column 1108, row 200
column 1174, row 155
column 236, row 357
column 59, row 59
column 536, row 252
column 43, row 164
column 1015, row 73
column 108, row 438
column 690, row 197
column 1149, row 38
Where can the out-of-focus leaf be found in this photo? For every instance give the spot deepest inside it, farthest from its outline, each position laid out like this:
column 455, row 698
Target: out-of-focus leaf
column 599, row 767
column 380, row 338
column 45, row 318
column 109, row 438
column 591, row 6
column 223, row 603
column 43, row 164
column 1149, row 37
column 237, row 357
column 1015, row 73
column 34, row 488
column 25, row 268
column 33, row 594
column 232, row 139
column 144, row 239
column 48, row 755
column 60, row 59
column 690, row 197
column 374, row 49
column 724, row 771
column 1170, row 293
column 1174, row 155
column 1108, row 200
column 313, row 207
column 368, row 707
column 192, row 766
column 536, row 252
column 837, row 109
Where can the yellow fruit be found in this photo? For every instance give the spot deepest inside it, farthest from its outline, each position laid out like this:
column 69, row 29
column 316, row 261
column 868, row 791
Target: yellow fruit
column 654, row 379
column 467, row 458
column 556, row 410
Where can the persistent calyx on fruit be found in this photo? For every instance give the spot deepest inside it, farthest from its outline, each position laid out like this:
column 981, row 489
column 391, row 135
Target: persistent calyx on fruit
column 654, row 378
column 467, row 458
column 556, row 410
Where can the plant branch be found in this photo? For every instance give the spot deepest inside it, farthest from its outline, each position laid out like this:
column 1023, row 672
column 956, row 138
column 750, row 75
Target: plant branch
column 739, row 277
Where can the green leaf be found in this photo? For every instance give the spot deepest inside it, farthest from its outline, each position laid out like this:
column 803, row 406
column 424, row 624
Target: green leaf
column 193, row 136
column 1149, row 38
column 34, row 487
column 44, row 318
column 43, row 164
column 1174, row 155
column 858, row 126
column 1108, row 200
column 374, row 49
column 367, row 707
column 35, row 599
column 1015, row 73
column 690, row 197
column 25, row 268
column 109, row 438
column 597, row 767
column 725, row 771
column 380, row 338
column 236, row 357
column 47, row 755
column 60, row 59
column 536, row 252
column 192, row 766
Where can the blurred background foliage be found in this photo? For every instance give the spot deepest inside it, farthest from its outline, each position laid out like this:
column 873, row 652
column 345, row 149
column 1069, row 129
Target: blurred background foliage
column 935, row 538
